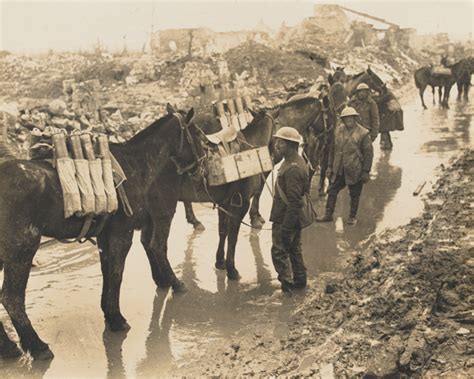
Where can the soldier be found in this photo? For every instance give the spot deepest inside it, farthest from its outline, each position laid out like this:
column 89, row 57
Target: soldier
column 350, row 161
column 367, row 109
column 292, row 184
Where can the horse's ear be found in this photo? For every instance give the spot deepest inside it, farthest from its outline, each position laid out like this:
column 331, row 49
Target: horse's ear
column 275, row 113
column 253, row 113
column 170, row 109
column 368, row 68
column 342, row 68
column 330, row 79
column 190, row 116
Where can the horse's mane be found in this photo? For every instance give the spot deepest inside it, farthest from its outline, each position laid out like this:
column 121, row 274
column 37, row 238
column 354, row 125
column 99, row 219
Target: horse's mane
column 299, row 101
column 149, row 130
column 355, row 76
column 5, row 152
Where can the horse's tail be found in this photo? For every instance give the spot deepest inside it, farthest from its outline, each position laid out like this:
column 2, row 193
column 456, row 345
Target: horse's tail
column 417, row 81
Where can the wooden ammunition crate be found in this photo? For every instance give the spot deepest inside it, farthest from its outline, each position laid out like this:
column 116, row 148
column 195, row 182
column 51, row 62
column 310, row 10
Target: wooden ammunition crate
column 238, row 166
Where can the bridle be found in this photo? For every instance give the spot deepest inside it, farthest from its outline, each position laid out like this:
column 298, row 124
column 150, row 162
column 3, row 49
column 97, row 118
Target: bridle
column 186, row 134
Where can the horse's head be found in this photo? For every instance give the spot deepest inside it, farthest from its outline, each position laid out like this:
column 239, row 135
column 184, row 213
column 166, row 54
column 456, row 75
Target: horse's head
column 339, row 75
column 188, row 153
column 374, row 81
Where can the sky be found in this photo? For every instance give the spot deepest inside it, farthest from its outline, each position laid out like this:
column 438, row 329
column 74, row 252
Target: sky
column 38, row 26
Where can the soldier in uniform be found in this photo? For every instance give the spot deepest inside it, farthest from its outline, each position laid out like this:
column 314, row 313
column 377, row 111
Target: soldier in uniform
column 350, row 161
column 292, row 184
column 367, row 109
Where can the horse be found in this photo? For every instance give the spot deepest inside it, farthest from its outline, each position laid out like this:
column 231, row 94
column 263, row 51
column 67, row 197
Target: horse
column 305, row 114
column 31, row 206
column 424, row 76
column 301, row 112
column 232, row 199
column 464, row 81
column 368, row 77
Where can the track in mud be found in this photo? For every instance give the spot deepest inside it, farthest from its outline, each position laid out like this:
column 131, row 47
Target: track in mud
column 171, row 331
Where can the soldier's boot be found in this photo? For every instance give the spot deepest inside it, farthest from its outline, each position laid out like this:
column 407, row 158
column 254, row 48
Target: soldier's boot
column 287, row 287
column 354, row 206
column 330, row 206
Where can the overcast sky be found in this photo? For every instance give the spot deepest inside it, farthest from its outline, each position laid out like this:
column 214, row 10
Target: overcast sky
column 35, row 26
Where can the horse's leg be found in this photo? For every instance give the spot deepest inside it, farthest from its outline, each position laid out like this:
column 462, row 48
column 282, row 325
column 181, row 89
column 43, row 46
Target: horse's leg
column 459, row 84
column 234, row 227
column 466, row 91
column 159, row 247
column 8, row 348
column 223, row 232
column 422, row 91
column 447, row 91
column 113, row 254
column 13, row 298
column 256, row 219
column 433, row 88
column 157, row 271
column 191, row 217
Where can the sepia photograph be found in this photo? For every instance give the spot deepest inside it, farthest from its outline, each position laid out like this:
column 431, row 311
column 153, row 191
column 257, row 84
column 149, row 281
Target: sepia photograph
column 236, row 189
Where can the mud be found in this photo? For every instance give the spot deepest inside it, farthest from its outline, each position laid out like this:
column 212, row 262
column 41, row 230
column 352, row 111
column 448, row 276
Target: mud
column 231, row 328
column 402, row 308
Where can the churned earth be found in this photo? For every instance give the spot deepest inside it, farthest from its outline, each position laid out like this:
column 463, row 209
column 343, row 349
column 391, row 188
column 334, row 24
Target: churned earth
column 403, row 307
column 379, row 302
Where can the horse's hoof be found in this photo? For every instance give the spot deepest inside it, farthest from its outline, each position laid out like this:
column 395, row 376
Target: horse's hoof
column 233, row 274
column 220, row 265
column 321, row 192
column 118, row 326
column 261, row 219
column 42, row 355
column 198, row 226
column 179, row 287
column 10, row 351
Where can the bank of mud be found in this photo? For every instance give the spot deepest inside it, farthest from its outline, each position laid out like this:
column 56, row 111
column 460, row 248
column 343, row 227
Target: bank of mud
column 403, row 306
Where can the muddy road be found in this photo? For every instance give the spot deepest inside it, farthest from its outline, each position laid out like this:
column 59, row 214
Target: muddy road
column 169, row 331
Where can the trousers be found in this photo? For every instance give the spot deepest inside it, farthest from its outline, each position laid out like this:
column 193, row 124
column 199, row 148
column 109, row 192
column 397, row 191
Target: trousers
column 335, row 187
column 288, row 260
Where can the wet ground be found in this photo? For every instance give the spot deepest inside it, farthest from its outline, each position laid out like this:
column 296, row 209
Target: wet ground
column 170, row 331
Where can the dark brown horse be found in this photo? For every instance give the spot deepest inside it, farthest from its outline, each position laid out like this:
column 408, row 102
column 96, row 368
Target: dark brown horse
column 424, row 76
column 31, row 206
column 233, row 200
column 464, row 81
column 303, row 113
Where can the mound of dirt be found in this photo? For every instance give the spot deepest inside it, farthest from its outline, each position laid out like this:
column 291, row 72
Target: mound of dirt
column 402, row 309
column 273, row 67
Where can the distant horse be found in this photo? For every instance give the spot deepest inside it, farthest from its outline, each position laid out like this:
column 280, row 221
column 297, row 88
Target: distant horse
column 424, row 76
column 464, row 81
column 31, row 206
column 352, row 81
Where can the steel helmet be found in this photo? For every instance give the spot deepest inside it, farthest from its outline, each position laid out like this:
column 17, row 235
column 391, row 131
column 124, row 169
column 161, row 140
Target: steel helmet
column 362, row 86
column 288, row 133
column 348, row 111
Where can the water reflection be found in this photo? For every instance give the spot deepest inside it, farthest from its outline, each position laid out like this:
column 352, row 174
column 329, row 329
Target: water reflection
column 323, row 242
column 113, row 343
column 24, row 367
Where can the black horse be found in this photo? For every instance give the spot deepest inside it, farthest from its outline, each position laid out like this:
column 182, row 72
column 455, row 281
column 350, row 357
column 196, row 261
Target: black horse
column 31, row 206
column 464, row 81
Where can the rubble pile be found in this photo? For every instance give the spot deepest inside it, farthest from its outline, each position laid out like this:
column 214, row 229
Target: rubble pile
column 273, row 68
column 42, row 76
column 402, row 309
